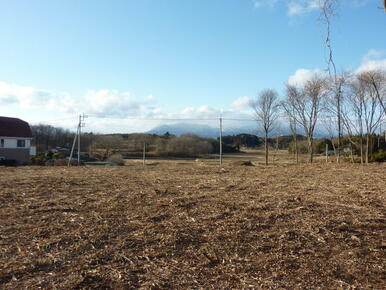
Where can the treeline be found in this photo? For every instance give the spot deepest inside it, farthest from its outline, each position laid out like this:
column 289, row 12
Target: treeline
column 49, row 138
column 187, row 145
column 102, row 146
column 348, row 106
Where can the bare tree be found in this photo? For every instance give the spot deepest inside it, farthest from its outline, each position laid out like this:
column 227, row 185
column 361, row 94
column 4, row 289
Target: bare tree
column 305, row 104
column 372, row 82
column 352, row 114
column 363, row 112
column 290, row 112
column 337, row 85
column 266, row 109
column 328, row 10
column 330, row 126
column 375, row 80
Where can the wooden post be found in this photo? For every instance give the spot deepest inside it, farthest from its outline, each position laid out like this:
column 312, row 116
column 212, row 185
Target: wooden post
column 80, row 126
column 220, row 141
column 144, row 154
column 326, row 153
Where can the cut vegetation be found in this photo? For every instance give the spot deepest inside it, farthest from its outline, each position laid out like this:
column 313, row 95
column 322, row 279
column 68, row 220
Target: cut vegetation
column 190, row 226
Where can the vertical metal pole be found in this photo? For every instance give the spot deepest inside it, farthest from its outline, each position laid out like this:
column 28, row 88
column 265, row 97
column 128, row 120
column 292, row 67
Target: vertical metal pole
column 220, row 140
column 80, row 126
column 144, row 154
column 326, row 153
column 73, row 147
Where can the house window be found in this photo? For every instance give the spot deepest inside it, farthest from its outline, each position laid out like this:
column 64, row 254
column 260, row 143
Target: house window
column 1, row 143
column 20, row 143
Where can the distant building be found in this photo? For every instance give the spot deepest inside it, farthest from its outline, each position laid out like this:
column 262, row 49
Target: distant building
column 15, row 140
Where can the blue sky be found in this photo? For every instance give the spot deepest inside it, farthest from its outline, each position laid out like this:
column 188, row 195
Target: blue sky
column 162, row 58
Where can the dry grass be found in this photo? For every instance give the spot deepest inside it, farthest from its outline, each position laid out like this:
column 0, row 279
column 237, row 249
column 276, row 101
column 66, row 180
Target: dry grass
column 184, row 226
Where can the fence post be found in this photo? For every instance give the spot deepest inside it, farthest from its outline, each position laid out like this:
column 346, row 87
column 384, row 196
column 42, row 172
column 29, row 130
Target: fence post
column 220, row 140
column 144, row 154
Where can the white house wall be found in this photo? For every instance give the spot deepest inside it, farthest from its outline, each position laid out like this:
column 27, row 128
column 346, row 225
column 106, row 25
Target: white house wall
column 12, row 142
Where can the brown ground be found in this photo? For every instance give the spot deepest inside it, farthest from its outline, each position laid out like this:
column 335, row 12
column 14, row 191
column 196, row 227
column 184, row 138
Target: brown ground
column 193, row 226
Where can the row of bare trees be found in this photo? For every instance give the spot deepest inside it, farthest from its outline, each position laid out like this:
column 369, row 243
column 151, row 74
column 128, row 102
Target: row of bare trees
column 352, row 104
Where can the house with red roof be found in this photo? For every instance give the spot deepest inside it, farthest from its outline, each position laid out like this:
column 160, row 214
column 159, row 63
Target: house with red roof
column 15, row 140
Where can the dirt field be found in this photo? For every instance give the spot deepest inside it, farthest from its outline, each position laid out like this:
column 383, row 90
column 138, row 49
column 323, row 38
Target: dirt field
column 193, row 226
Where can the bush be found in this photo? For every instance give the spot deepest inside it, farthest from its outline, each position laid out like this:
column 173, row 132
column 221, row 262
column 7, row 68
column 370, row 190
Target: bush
column 57, row 155
column 379, row 157
column 302, row 147
column 39, row 160
column 116, row 158
column 320, row 146
column 61, row 162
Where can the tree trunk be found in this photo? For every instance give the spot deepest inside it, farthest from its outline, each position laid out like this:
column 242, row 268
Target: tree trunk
column 339, row 129
column 295, row 137
column 367, row 148
column 266, row 148
column 361, row 146
column 310, row 149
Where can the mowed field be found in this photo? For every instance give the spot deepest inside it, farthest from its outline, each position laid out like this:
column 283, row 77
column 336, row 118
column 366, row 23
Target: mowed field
column 180, row 225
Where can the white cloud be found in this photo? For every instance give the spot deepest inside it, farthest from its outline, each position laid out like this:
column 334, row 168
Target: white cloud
column 301, row 7
column 242, row 103
column 108, row 110
column 265, row 3
column 294, row 7
column 109, row 102
column 373, row 65
column 373, row 60
column 199, row 112
column 150, row 98
column 98, row 102
column 27, row 97
column 257, row 4
column 302, row 75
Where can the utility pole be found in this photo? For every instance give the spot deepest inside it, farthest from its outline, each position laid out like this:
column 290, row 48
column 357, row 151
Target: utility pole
column 77, row 138
column 80, row 126
column 73, row 146
column 220, row 140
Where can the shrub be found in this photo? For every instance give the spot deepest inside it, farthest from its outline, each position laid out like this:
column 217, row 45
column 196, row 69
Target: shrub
column 302, row 147
column 61, row 162
column 39, row 160
column 116, row 158
column 57, row 155
column 379, row 157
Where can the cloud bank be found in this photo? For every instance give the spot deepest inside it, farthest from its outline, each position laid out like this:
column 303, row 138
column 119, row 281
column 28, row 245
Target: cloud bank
column 300, row 7
column 373, row 60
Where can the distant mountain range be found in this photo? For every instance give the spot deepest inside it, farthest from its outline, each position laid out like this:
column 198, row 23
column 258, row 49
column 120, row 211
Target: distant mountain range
column 200, row 130
column 212, row 132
